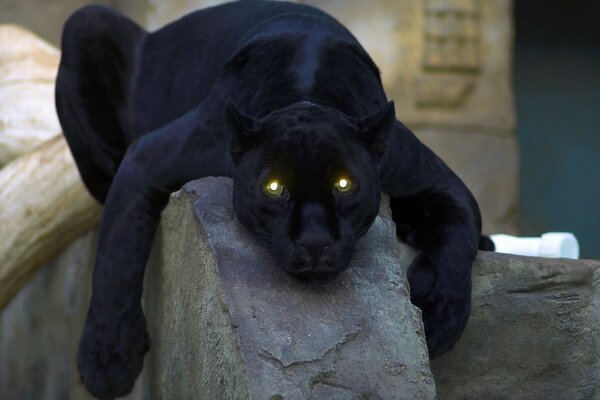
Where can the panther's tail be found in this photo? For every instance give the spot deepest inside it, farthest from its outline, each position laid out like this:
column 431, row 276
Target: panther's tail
column 486, row 244
column 94, row 77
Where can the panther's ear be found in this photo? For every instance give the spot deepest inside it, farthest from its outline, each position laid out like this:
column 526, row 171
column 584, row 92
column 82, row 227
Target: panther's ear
column 376, row 128
column 244, row 130
column 238, row 122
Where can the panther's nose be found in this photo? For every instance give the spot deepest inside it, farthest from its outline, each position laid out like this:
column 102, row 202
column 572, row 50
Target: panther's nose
column 315, row 246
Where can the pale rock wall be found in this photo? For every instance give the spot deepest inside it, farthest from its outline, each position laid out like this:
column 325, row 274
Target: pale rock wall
column 39, row 329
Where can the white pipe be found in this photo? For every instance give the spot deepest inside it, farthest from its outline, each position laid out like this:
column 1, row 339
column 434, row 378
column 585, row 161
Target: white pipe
column 551, row 245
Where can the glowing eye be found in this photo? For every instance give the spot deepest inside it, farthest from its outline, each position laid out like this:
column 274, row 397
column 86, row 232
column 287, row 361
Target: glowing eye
column 343, row 185
column 274, row 188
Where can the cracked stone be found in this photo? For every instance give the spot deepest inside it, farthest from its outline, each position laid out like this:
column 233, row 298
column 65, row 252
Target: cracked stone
column 259, row 333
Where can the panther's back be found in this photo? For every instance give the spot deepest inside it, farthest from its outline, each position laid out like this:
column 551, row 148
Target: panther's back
column 181, row 61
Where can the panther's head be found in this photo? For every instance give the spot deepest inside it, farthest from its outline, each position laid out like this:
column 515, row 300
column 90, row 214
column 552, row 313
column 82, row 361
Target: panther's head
column 306, row 182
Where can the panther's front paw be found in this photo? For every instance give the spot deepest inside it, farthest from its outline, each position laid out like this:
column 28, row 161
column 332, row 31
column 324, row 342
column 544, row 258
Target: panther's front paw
column 443, row 293
column 111, row 355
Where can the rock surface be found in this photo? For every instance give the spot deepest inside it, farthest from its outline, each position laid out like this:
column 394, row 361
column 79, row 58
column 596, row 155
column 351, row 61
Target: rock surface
column 534, row 332
column 264, row 334
column 40, row 327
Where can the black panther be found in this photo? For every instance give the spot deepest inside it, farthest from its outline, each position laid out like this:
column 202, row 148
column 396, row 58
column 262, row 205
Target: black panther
column 283, row 99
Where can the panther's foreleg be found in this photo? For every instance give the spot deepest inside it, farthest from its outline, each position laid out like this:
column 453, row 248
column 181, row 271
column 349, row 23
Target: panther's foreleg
column 114, row 339
column 435, row 213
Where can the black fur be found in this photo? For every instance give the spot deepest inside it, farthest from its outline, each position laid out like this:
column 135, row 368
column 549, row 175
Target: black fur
column 258, row 91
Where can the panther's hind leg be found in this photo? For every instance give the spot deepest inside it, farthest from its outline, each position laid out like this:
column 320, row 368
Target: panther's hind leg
column 92, row 90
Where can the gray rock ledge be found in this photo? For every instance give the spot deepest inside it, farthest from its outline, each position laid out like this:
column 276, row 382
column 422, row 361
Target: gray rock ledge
column 533, row 334
column 227, row 323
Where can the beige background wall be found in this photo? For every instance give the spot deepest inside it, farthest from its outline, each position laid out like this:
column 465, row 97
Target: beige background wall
column 446, row 63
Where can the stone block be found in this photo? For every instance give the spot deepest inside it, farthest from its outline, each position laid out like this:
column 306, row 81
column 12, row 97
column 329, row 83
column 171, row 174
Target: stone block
column 534, row 332
column 221, row 307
